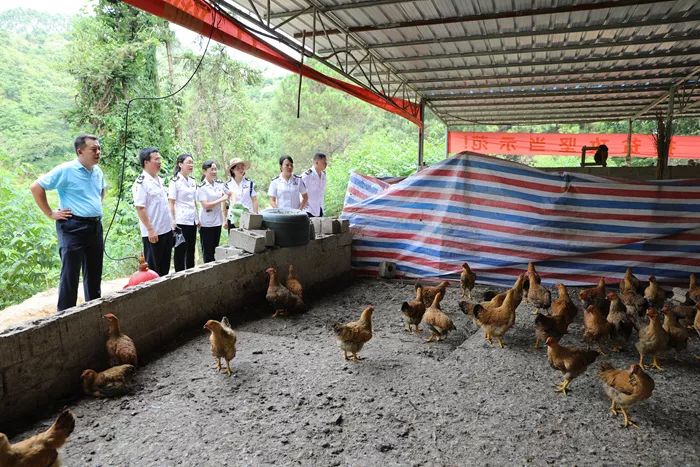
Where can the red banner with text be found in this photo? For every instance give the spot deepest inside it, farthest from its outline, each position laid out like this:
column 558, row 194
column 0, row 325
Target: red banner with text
column 560, row 144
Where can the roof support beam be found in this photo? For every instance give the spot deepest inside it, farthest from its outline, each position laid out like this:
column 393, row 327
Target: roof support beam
column 542, row 32
column 680, row 82
column 529, row 103
column 344, row 6
column 554, row 48
column 580, row 61
column 494, row 96
column 486, row 16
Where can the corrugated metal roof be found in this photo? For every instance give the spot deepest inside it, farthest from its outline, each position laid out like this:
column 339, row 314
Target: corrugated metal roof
column 502, row 61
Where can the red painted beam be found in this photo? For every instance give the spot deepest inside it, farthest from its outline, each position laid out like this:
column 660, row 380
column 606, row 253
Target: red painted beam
column 199, row 16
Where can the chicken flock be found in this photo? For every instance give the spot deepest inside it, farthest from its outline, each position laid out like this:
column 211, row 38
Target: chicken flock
column 609, row 319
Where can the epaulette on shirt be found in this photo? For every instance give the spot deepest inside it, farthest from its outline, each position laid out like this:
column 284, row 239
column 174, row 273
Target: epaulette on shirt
column 308, row 172
column 219, row 181
column 174, row 179
column 140, row 179
column 297, row 176
column 201, row 184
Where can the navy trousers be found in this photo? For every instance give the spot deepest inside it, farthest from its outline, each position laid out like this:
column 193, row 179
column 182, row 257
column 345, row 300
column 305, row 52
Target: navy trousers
column 210, row 237
column 184, row 254
column 81, row 245
column 158, row 254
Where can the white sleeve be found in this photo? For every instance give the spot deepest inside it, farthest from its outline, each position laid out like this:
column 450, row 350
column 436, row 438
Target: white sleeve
column 172, row 190
column 139, row 194
column 302, row 187
column 272, row 191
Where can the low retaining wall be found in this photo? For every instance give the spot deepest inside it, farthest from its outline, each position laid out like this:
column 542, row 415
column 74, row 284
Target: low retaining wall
column 41, row 363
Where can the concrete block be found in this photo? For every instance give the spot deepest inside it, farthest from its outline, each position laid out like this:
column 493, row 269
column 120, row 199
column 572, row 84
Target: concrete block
column 387, row 269
column 247, row 240
column 345, row 239
column 344, row 225
column 312, row 231
column 269, row 236
column 250, row 221
column 317, row 221
column 10, row 352
column 330, row 226
column 39, row 340
column 223, row 252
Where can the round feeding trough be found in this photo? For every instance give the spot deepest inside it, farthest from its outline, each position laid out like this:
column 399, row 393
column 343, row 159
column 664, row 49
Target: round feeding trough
column 291, row 226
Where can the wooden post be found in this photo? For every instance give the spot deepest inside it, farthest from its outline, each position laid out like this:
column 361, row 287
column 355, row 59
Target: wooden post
column 421, row 134
column 628, row 158
column 664, row 144
column 447, row 142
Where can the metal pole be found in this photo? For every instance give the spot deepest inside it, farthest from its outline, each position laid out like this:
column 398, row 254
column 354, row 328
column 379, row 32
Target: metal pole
column 421, row 134
column 628, row 158
column 447, row 142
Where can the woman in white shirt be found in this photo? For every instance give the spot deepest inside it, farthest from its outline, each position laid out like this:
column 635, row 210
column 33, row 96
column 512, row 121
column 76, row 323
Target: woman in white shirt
column 211, row 194
column 242, row 194
column 183, row 209
column 287, row 190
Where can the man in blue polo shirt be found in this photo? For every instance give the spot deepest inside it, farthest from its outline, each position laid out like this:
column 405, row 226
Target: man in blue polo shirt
column 80, row 186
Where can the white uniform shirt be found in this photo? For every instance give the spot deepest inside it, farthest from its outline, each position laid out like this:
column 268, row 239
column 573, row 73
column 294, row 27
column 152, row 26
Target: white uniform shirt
column 209, row 192
column 149, row 192
column 243, row 192
column 183, row 191
column 287, row 192
column 316, row 188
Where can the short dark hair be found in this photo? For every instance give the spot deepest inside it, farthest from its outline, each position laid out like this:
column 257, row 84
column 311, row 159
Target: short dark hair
column 145, row 155
column 286, row 158
column 80, row 141
column 319, row 156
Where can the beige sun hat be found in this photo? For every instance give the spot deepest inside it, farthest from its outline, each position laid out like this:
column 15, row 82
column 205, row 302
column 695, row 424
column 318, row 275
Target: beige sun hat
column 237, row 160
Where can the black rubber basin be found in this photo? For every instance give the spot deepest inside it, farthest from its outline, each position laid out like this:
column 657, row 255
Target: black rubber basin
column 291, row 226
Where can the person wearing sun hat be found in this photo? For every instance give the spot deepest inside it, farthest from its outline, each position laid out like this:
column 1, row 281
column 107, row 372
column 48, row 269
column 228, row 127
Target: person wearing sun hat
column 242, row 194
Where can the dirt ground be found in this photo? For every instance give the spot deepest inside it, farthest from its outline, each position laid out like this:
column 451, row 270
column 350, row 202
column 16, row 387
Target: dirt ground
column 43, row 304
column 293, row 399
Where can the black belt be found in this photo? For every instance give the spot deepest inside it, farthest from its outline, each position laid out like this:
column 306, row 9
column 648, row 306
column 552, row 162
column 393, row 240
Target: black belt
column 87, row 219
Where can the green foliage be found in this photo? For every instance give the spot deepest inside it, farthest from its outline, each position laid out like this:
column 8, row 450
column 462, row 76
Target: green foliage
column 29, row 250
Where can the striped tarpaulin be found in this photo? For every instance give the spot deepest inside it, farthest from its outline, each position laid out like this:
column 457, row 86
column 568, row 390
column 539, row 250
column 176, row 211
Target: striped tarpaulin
column 498, row 215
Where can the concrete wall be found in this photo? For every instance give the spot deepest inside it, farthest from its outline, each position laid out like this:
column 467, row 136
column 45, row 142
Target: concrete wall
column 632, row 173
column 41, row 363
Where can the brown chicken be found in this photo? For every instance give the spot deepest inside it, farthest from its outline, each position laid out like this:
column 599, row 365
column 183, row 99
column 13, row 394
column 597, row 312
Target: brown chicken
column 438, row 322
column 429, row 292
column 120, row 348
column 554, row 326
column 677, row 335
column 563, row 305
column 696, row 325
column 496, row 321
column 282, row 300
column 625, row 388
column 467, row 279
column 223, row 342
column 353, row 336
column 653, row 339
column 655, row 294
column 492, row 299
column 569, row 360
column 630, row 282
column 621, row 322
column 685, row 314
column 593, row 295
column 112, row 382
column 293, row 283
column 694, row 289
column 531, row 271
column 40, row 450
column 413, row 311
column 636, row 304
column 595, row 327
column 537, row 295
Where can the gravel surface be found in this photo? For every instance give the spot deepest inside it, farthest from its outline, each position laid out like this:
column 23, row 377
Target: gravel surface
column 293, row 399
